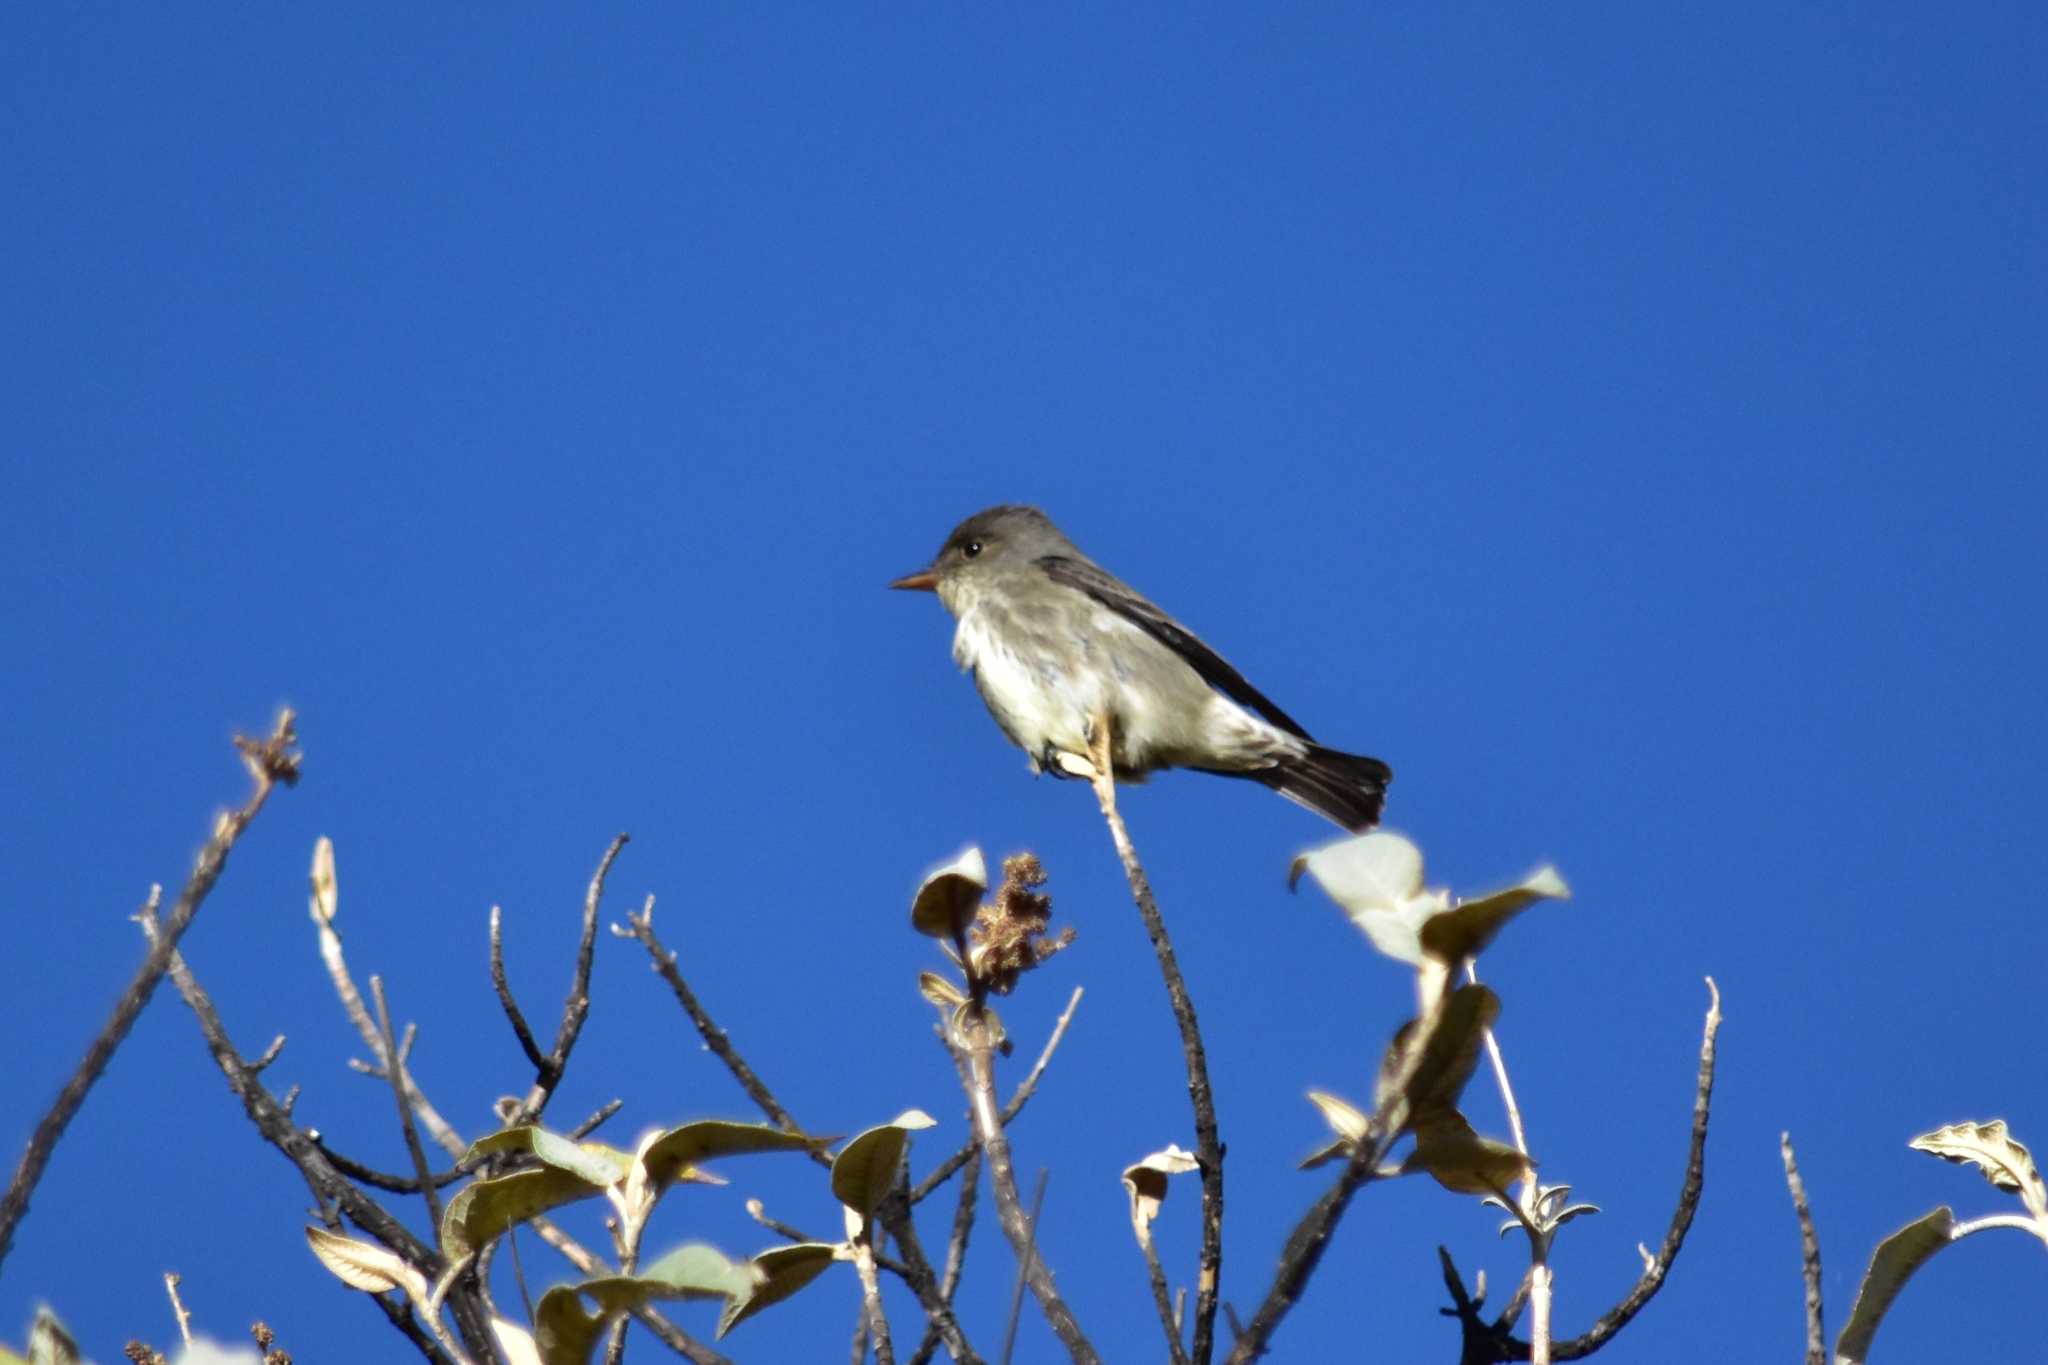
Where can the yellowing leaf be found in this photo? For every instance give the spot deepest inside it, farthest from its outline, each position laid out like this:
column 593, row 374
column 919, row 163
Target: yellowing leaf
column 782, row 1271
column 1462, row 1161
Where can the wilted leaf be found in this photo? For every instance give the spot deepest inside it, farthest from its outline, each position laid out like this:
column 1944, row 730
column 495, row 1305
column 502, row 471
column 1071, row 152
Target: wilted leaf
column 1146, row 1181
column 673, row 1155
column 323, row 903
column 1462, row 1161
column 863, row 1173
column 483, row 1209
column 364, row 1265
column 515, row 1343
column 593, row 1162
column 945, row 903
column 782, row 1270
column 2004, row 1162
column 1891, row 1265
column 939, row 990
column 50, row 1342
column 1431, row 1058
column 1463, row 932
column 563, row 1332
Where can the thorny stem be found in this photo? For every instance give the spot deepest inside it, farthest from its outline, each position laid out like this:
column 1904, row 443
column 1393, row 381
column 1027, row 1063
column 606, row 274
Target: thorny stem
column 269, row 762
column 1208, row 1146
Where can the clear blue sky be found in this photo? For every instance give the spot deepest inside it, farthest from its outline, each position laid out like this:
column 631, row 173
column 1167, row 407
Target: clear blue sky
column 1626, row 421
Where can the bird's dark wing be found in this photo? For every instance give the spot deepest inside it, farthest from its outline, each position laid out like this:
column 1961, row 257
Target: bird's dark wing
column 1119, row 598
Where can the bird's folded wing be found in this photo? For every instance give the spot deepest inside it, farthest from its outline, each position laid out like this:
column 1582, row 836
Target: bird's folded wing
column 1119, row 598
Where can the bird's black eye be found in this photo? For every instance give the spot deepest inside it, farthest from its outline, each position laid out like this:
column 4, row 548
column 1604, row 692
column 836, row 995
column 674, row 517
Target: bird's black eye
column 971, row 548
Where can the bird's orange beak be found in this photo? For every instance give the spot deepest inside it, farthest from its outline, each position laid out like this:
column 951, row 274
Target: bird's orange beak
column 924, row 580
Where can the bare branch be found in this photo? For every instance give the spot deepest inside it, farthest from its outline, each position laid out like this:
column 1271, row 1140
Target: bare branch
column 944, row 1170
column 269, row 762
column 395, row 1065
column 1809, row 1256
column 1162, row 1302
column 1208, row 1146
column 1305, row 1246
column 1656, row 1268
column 504, row 990
column 995, row 1145
column 876, row 1321
column 577, row 1007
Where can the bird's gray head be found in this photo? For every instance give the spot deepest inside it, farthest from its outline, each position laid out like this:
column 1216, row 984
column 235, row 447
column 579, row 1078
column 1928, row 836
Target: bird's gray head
column 984, row 547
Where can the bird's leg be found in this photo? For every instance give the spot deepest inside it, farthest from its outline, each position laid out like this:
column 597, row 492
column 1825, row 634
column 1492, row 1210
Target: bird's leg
column 1101, row 746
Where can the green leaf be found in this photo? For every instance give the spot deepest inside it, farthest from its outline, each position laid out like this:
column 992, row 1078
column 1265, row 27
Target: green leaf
column 1465, row 931
column 692, row 1271
column 783, row 1271
column 592, row 1162
column 563, row 1332
column 946, row 901
column 863, row 1173
column 483, row 1209
column 2004, row 1162
column 1891, row 1265
column 674, row 1155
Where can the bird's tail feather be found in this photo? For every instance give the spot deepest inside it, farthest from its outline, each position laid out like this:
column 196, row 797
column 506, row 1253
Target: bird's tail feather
column 1349, row 789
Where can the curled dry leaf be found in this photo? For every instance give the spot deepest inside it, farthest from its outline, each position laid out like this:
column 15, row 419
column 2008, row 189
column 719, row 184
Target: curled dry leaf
column 361, row 1265
column 1432, row 1058
column 1345, row 1119
column 2004, row 1162
column 781, row 1272
column 1377, row 879
column 1145, row 1182
column 946, row 901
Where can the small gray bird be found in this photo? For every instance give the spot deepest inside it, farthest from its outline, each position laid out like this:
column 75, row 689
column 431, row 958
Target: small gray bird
column 1054, row 640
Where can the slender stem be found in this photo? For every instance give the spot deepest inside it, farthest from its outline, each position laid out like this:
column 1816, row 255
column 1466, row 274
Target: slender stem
column 871, row 1298
column 524, row 1034
column 269, row 762
column 995, row 1145
column 1029, row 1259
column 944, row 1170
column 576, row 1008
column 1999, row 1220
column 394, row 1067
column 1162, row 1301
column 1208, row 1146
column 1809, row 1256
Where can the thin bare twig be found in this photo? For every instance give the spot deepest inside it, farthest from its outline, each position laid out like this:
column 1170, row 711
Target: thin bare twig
column 1305, row 1246
column 577, row 1007
column 395, row 1067
column 590, row 1125
column 1657, row 1267
column 1539, row 1283
column 269, row 762
column 995, row 1145
column 894, row 1214
column 956, row 1251
column 534, row 1055
column 1809, row 1256
column 871, row 1298
column 171, row 1280
column 384, row 1180
column 1208, row 1146
column 335, row 1196
column 1162, row 1302
column 944, row 1170
column 1030, row 1257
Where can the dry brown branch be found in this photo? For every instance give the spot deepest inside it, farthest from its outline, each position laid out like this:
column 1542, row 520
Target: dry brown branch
column 269, row 761
column 576, row 1008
